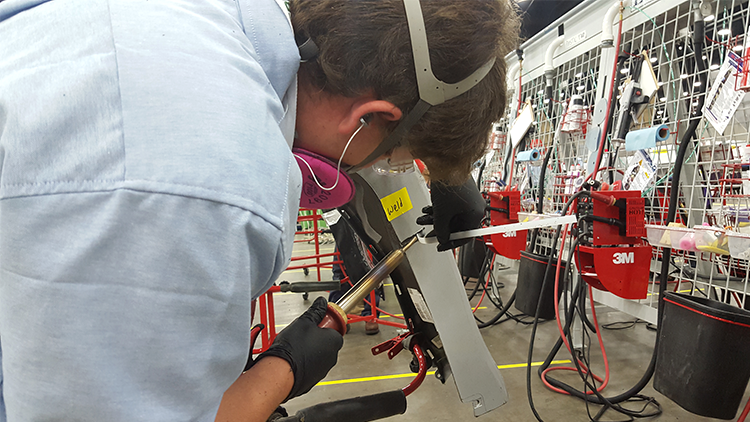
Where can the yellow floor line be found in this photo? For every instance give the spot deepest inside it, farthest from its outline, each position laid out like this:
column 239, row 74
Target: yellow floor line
column 411, row 375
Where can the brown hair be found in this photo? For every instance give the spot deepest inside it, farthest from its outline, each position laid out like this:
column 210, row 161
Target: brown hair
column 365, row 45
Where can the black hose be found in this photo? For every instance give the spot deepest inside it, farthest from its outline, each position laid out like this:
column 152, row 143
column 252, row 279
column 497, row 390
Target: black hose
column 545, row 283
column 666, row 253
column 500, row 313
column 485, row 262
column 540, row 203
column 501, row 210
column 357, row 409
column 611, row 112
column 698, row 36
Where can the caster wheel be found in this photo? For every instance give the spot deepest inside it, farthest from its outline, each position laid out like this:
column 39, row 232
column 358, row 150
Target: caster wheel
column 306, row 271
column 305, row 296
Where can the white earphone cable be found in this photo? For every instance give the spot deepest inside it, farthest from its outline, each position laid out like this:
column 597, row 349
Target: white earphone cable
column 338, row 167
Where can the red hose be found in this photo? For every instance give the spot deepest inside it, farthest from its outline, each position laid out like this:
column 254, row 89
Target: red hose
column 609, row 101
column 585, row 370
column 486, row 285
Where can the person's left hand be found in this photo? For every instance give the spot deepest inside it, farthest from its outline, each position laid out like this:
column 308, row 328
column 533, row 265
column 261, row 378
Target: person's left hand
column 453, row 209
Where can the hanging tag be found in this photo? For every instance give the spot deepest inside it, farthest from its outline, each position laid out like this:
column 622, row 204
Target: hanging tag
column 641, row 171
column 725, row 94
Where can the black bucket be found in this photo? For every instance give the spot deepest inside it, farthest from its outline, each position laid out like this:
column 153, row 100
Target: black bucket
column 530, row 279
column 702, row 358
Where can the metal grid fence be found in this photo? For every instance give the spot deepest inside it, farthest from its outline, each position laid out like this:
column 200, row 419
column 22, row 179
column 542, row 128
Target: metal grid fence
column 715, row 181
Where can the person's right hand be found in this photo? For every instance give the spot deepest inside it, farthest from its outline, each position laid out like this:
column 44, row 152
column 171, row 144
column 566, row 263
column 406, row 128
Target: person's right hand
column 311, row 351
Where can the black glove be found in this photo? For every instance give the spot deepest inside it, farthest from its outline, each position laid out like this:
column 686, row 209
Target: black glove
column 453, row 209
column 310, row 350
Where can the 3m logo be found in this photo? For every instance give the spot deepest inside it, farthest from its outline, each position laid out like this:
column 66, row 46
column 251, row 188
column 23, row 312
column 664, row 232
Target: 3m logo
column 509, row 234
column 623, row 258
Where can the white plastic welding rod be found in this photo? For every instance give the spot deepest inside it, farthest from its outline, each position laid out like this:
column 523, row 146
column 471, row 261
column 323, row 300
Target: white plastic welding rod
column 541, row 222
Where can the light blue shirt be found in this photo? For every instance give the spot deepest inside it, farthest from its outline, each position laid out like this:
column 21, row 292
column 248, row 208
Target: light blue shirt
column 147, row 194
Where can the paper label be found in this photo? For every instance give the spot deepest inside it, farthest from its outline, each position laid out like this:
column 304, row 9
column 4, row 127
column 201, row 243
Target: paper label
column 521, row 125
column 420, row 305
column 641, row 171
column 723, row 99
column 396, row 204
column 332, row 217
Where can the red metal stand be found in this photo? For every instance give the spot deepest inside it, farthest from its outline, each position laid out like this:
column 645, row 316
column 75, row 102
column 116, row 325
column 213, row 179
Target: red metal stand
column 266, row 309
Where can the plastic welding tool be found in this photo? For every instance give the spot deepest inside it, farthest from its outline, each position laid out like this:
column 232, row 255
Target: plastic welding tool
column 336, row 316
column 375, row 406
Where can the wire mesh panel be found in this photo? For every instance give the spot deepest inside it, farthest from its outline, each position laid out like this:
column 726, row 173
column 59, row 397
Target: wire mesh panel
column 714, row 188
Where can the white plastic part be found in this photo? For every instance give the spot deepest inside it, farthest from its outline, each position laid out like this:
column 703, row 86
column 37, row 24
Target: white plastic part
column 539, row 220
column 551, row 52
column 514, row 70
column 739, row 245
column 474, row 371
column 609, row 20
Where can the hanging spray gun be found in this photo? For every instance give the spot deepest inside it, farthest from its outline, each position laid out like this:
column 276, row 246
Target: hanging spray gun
column 636, row 94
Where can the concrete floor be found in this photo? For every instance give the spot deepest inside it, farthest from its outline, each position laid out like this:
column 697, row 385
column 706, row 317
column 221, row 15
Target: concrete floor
column 359, row 373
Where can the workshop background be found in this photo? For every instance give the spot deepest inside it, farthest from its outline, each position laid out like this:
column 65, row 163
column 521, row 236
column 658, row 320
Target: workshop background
column 648, row 97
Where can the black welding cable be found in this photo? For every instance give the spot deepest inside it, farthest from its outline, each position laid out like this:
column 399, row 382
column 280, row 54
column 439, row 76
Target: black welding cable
column 578, row 293
column 610, row 114
column 486, row 268
column 698, row 35
column 582, row 306
column 685, row 143
column 545, row 285
column 540, row 203
column 500, row 313
column 536, row 323
column 485, row 263
column 485, row 271
column 569, row 310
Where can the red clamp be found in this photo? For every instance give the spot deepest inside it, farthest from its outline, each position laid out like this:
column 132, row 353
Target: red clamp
column 392, row 346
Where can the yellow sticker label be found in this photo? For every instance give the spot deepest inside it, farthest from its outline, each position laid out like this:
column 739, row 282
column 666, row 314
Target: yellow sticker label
column 396, row 204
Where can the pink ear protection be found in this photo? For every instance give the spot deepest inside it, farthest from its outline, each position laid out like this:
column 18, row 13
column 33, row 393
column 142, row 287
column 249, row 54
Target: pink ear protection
column 324, row 185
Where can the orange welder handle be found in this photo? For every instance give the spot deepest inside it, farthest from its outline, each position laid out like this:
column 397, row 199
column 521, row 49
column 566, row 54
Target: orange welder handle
column 335, row 318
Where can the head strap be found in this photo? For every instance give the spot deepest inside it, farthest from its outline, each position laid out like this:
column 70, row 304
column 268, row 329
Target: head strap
column 432, row 91
column 308, row 50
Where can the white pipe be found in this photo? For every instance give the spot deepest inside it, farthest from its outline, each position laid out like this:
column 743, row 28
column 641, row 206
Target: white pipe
column 551, row 51
column 609, row 19
column 513, row 72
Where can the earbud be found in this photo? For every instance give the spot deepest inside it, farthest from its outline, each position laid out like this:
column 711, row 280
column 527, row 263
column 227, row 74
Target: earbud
column 365, row 120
